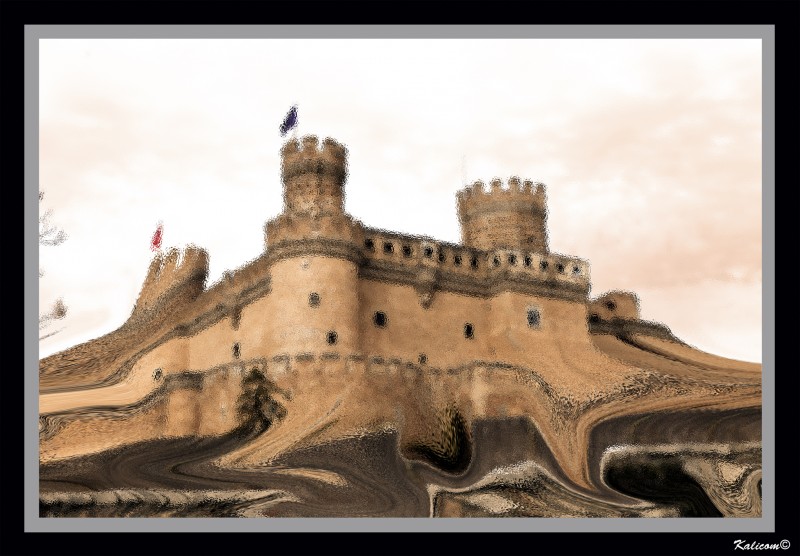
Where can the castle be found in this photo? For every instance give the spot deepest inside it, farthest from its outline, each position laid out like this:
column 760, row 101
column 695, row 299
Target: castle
column 498, row 323
column 339, row 286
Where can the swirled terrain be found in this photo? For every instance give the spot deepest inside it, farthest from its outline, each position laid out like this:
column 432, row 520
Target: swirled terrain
column 677, row 434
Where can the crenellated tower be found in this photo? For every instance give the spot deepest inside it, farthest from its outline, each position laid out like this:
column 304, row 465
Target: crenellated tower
column 314, row 251
column 504, row 218
column 181, row 272
column 313, row 176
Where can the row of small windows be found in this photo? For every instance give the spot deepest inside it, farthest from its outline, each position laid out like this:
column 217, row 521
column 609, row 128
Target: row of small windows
column 380, row 319
column 534, row 320
column 388, row 248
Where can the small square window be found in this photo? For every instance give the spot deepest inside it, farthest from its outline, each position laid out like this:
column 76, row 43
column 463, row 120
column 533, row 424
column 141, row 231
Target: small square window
column 422, row 359
column 474, row 262
column 369, row 244
column 313, row 299
column 406, row 250
column 441, row 256
column 527, row 260
column 379, row 319
column 388, row 248
column 236, row 351
column 534, row 318
column 457, row 260
column 496, row 261
column 469, row 331
column 512, row 259
column 543, row 265
column 560, row 267
column 576, row 270
column 428, row 252
column 332, row 337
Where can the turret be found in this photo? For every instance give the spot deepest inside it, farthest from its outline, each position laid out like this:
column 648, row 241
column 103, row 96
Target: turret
column 504, row 218
column 166, row 276
column 313, row 176
column 314, row 249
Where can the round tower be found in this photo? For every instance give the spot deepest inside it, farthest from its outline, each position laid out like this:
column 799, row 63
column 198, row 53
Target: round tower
column 315, row 252
column 504, row 218
column 313, row 177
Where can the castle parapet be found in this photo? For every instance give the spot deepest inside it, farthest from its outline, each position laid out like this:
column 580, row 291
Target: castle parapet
column 484, row 269
column 504, row 217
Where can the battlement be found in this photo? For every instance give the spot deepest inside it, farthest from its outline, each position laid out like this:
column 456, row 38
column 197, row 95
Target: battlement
column 313, row 175
column 307, row 156
column 511, row 217
column 470, row 265
column 309, row 146
column 476, row 198
column 290, row 228
column 187, row 267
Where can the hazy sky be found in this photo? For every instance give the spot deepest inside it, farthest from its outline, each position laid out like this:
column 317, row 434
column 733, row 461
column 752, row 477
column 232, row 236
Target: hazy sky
column 650, row 149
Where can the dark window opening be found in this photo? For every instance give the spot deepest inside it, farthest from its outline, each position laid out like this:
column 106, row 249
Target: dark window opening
column 369, row 244
column 457, row 260
column 441, row 256
column 576, row 270
column 379, row 319
column 474, row 262
column 496, row 261
column 469, row 331
column 527, row 261
column 332, row 337
column 422, row 359
column 512, row 259
column 611, row 305
column 157, row 374
column 428, row 252
column 406, row 251
column 560, row 267
column 534, row 318
column 594, row 317
column 388, row 247
column 236, row 351
column 313, row 299
column 543, row 265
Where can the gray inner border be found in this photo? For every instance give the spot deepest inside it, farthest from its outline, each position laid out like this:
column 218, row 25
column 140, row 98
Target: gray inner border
column 33, row 523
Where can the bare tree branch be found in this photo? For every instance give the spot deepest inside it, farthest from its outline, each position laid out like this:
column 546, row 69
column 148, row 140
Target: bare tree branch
column 50, row 235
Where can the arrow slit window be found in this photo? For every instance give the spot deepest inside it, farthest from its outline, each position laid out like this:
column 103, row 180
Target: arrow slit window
column 534, row 317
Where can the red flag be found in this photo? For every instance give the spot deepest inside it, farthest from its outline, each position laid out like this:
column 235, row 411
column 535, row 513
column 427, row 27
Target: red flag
column 155, row 245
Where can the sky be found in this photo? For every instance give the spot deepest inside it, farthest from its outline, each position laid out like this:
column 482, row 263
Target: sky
column 650, row 150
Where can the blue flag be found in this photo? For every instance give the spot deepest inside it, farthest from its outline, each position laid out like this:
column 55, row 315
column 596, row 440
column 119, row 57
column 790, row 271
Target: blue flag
column 290, row 121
